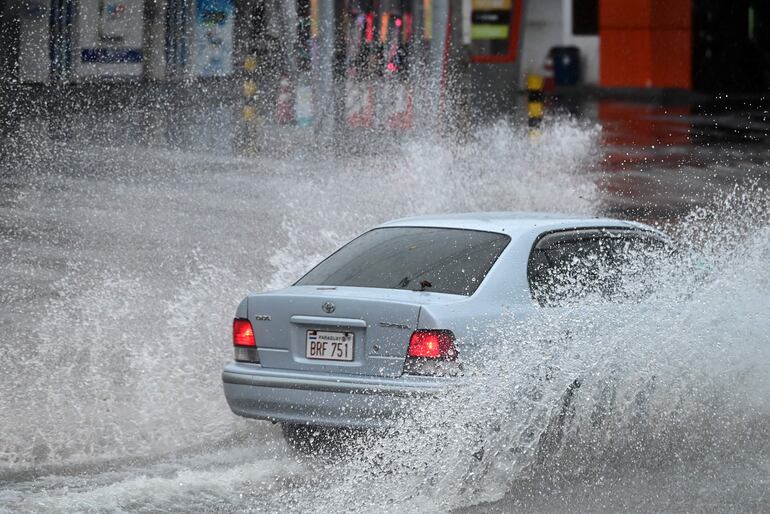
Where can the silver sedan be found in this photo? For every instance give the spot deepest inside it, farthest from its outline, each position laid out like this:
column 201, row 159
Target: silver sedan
column 389, row 318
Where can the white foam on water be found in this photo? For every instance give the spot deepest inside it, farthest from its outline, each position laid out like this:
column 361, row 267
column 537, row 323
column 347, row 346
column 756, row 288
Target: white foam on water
column 119, row 354
column 679, row 376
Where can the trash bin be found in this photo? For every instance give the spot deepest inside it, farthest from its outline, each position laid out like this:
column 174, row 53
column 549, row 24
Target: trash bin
column 566, row 65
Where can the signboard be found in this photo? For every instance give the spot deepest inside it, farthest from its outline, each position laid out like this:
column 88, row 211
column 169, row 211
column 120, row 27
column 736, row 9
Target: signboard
column 213, row 50
column 112, row 26
column 490, row 19
column 110, row 34
column 494, row 29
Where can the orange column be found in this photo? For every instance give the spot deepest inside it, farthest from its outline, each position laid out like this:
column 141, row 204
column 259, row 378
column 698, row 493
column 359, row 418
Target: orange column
column 646, row 43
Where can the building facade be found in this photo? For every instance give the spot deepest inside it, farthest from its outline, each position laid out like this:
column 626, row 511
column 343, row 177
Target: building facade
column 705, row 45
column 702, row 45
column 86, row 40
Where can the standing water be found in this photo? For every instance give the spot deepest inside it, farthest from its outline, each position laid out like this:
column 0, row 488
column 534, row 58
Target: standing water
column 123, row 263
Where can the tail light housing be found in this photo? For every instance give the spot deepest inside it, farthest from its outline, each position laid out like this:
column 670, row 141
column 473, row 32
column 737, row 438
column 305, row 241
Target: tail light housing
column 244, row 343
column 432, row 352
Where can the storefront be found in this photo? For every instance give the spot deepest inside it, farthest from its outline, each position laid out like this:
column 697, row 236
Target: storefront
column 109, row 39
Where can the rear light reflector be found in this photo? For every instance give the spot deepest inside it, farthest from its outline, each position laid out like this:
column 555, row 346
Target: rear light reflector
column 243, row 334
column 433, row 344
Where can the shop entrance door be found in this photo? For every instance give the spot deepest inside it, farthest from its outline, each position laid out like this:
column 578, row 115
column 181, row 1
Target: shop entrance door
column 731, row 46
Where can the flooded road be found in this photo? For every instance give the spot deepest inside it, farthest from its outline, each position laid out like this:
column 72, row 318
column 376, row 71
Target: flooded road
column 124, row 258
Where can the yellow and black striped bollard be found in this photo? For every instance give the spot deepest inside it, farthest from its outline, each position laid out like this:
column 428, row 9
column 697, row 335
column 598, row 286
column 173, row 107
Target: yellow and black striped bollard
column 535, row 99
column 250, row 116
column 249, row 89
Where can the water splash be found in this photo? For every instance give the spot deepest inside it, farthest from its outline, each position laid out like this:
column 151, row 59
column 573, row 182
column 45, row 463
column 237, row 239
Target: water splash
column 679, row 376
column 130, row 330
column 126, row 332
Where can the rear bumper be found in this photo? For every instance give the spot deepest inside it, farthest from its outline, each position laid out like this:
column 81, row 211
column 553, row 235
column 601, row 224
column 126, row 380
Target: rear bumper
column 323, row 399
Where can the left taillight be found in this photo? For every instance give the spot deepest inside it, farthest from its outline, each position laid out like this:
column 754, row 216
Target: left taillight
column 244, row 344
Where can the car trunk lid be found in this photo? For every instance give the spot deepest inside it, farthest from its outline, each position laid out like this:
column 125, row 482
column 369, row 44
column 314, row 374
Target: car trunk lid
column 367, row 329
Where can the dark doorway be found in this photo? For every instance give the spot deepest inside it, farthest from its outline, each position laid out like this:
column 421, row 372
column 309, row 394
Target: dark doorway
column 585, row 17
column 9, row 42
column 731, row 46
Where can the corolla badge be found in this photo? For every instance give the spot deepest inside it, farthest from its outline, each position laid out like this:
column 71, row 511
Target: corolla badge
column 328, row 307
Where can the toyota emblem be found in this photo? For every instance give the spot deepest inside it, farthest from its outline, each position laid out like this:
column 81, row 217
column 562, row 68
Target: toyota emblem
column 328, row 307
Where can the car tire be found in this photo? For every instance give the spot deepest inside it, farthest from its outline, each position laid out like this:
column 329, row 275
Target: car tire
column 551, row 438
column 300, row 438
column 316, row 440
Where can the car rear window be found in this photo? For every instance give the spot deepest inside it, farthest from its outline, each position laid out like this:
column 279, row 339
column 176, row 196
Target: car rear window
column 440, row 260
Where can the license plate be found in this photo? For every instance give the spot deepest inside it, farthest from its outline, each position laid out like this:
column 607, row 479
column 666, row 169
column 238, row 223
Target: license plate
column 330, row 346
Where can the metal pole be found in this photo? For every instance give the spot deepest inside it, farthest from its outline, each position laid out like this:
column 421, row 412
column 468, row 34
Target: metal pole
column 330, row 71
column 289, row 43
column 438, row 71
column 339, row 68
column 61, row 39
column 10, row 33
column 322, row 71
column 9, row 41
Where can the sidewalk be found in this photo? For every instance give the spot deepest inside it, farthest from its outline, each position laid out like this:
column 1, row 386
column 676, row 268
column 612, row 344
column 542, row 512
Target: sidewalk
column 660, row 96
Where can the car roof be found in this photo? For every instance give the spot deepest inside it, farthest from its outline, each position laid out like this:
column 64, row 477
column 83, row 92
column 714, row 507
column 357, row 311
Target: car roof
column 511, row 223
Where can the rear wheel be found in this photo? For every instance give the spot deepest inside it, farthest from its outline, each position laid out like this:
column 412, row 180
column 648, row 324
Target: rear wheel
column 551, row 439
column 316, row 440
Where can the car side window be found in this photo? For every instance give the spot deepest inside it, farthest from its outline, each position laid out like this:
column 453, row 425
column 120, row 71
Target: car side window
column 595, row 265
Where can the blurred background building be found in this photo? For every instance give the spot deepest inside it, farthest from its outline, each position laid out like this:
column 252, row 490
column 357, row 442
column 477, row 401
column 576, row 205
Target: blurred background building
column 482, row 48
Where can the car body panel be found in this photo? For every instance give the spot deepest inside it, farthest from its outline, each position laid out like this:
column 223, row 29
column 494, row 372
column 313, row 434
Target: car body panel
column 381, row 322
column 323, row 398
column 370, row 389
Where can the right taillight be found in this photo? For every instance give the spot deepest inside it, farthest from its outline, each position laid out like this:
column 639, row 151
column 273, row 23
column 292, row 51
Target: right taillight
column 432, row 352
column 244, row 344
column 433, row 344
